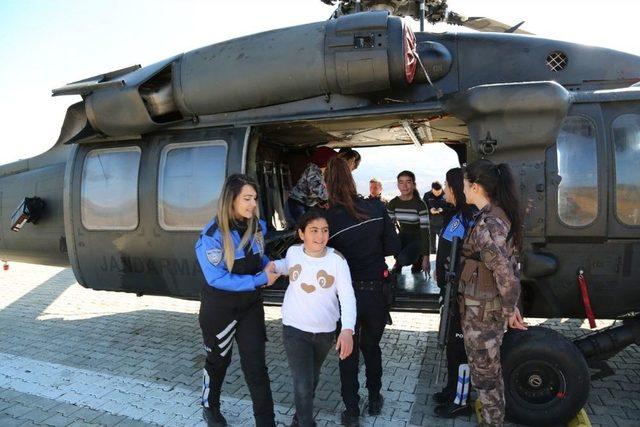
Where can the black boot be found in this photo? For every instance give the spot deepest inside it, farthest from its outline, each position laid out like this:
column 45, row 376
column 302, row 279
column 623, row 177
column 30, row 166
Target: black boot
column 350, row 418
column 444, row 396
column 265, row 421
column 397, row 269
column 451, row 410
column 416, row 267
column 375, row 404
column 294, row 421
column 213, row 417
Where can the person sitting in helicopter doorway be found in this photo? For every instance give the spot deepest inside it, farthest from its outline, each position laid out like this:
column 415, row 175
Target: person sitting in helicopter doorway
column 310, row 190
column 351, row 156
column 319, row 293
column 434, row 199
column 453, row 399
column 489, row 285
column 230, row 252
column 410, row 214
column 375, row 191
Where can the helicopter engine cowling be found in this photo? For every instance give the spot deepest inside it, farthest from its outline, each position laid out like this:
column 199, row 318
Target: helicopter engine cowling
column 359, row 54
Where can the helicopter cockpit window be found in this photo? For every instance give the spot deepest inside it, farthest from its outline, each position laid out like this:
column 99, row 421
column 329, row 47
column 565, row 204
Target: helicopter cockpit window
column 626, row 140
column 578, row 170
column 191, row 177
column 109, row 190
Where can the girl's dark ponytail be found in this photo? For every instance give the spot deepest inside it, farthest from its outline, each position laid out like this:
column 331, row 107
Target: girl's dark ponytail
column 506, row 197
column 499, row 183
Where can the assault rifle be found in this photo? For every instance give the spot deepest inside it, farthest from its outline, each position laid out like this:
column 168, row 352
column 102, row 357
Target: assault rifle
column 450, row 293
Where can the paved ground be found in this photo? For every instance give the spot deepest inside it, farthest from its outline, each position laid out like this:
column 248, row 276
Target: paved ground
column 72, row 356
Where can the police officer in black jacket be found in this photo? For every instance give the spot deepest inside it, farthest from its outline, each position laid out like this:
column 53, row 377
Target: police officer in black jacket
column 362, row 231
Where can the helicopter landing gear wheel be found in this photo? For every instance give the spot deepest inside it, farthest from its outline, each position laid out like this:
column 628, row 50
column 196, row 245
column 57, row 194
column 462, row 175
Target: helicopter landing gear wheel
column 546, row 378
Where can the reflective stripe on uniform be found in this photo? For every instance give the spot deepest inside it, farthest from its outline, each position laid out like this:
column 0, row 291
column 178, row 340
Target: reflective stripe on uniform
column 226, row 337
column 226, row 330
column 205, row 389
column 462, row 390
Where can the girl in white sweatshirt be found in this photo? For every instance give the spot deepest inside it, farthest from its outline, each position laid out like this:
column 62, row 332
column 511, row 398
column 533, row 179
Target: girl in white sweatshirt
column 319, row 294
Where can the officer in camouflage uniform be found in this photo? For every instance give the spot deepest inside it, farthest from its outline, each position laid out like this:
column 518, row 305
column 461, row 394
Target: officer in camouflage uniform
column 490, row 280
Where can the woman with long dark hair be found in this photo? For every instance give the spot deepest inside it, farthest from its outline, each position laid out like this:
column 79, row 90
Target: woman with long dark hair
column 230, row 252
column 457, row 218
column 351, row 156
column 362, row 231
column 489, row 285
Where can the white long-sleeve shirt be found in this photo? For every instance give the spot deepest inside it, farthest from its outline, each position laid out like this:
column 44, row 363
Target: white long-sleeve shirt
column 316, row 285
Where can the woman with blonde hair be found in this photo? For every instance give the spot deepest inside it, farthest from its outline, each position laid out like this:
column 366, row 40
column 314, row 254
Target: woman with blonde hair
column 230, row 252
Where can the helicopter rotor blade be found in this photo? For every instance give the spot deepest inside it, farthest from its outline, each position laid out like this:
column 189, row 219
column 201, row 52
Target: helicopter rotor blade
column 483, row 24
column 435, row 11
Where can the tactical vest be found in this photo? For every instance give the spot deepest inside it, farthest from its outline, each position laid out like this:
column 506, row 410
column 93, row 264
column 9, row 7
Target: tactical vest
column 477, row 284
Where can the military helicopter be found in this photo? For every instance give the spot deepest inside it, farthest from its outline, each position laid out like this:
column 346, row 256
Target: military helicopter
column 135, row 173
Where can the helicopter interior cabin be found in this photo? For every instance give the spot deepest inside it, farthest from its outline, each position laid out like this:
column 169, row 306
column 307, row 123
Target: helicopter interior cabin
column 279, row 153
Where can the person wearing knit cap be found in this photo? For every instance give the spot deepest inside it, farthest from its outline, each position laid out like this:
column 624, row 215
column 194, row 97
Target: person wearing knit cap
column 321, row 157
column 310, row 190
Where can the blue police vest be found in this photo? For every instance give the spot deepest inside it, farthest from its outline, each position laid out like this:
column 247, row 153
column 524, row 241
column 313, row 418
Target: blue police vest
column 210, row 253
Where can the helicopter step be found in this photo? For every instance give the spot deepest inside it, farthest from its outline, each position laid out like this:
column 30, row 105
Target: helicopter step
column 414, row 293
column 418, row 303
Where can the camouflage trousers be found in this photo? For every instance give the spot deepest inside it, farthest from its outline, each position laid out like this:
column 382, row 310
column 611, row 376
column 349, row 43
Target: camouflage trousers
column 483, row 334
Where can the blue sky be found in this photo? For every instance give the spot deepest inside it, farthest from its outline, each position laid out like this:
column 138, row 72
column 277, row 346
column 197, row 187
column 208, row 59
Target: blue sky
column 46, row 44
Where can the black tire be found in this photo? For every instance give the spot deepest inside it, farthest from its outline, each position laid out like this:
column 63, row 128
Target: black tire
column 546, row 378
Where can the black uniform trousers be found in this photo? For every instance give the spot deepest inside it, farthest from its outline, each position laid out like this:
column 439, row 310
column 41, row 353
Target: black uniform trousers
column 456, row 354
column 435, row 229
column 224, row 316
column 370, row 323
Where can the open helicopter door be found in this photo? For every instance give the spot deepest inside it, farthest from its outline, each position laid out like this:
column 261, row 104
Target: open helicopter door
column 137, row 207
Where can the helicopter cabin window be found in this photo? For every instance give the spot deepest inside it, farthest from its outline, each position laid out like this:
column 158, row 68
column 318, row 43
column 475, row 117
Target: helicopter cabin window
column 191, row 177
column 578, row 170
column 109, row 190
column 626, row 140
